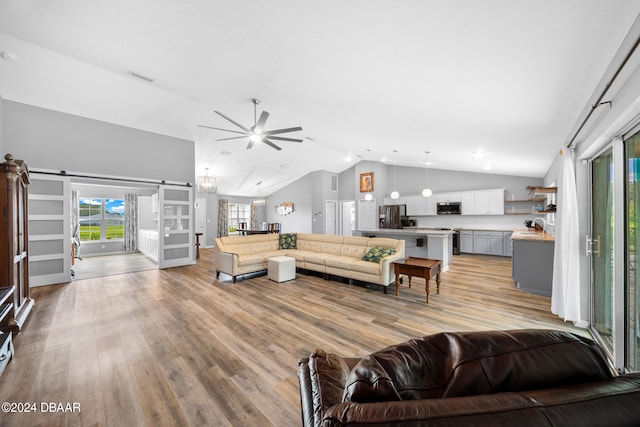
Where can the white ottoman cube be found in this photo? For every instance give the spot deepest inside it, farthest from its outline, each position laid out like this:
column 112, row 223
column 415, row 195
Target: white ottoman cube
column 281, row 268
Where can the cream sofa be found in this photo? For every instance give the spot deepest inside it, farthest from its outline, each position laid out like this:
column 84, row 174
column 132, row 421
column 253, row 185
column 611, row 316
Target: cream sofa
column 328, row 254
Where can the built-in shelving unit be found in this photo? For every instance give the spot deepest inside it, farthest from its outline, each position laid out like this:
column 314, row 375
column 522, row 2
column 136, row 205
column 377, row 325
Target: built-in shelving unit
column 523, row 206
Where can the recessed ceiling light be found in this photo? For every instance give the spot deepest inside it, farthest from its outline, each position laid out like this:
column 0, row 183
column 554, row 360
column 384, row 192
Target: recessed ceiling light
column 8, row 56
column 225, row 153
column 478, row 154
column 284, row 166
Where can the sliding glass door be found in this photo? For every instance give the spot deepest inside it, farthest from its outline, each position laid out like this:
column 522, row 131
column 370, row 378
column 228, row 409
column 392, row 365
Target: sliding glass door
column 632, row 282
column 602, row 173
column 615, row 249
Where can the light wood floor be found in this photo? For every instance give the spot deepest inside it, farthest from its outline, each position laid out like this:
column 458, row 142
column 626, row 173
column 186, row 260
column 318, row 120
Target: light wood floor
column 175, row 347
column 107, row 265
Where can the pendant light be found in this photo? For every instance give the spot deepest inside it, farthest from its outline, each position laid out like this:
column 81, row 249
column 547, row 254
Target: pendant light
column 206, row 183
column 260, row 201
column 394, row 193
column 427, row 191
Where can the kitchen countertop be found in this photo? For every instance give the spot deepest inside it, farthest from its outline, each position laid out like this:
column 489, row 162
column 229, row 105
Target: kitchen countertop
column 533, row 236
column 408, row 231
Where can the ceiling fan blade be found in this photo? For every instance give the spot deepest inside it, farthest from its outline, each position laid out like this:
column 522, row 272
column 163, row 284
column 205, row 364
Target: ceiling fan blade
column 277, row 131
column 271, row 144
column 280, row 138
column 250, row 144
column 233, row 137
column 261, row 121
column 226, row 130
column 233, row 121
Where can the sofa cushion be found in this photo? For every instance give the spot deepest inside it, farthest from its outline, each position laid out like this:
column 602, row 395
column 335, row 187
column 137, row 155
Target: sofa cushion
column 288, row 241
column 328, row 373
column 250, row 259
column 472, row 363
column 375, row 254
column 365, row 267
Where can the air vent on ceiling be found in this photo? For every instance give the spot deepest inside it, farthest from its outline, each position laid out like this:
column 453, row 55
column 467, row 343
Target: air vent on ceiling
column 141, row 77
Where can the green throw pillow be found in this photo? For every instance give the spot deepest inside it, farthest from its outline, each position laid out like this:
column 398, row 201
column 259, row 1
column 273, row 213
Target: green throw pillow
column 377, row 253
column 288, row 241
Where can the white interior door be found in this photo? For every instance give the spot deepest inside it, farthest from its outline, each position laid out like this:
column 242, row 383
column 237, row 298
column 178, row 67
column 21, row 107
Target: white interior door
column 201, row 217
column 367, row 215
column 331, row 217
column 176, row 234
column 348, row 217
column 49, row 229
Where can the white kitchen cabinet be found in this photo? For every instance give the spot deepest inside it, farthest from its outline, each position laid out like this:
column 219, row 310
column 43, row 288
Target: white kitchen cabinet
column 398, row 201
column 431, row 205
column 468, row 203
column 482, row 202
column 416, row 206
column 448, row 197
column 489, row 202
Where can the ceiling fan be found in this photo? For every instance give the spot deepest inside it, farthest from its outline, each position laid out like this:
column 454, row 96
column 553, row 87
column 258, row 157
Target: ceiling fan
column 256, row 133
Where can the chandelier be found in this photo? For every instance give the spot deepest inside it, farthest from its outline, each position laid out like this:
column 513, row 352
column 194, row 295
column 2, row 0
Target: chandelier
column 260, row 201
column 206, row 183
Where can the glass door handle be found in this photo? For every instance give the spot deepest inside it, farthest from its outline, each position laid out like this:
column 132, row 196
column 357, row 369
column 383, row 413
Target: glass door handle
column 589, row 246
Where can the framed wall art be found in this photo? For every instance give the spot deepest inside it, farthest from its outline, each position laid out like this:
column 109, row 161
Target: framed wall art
column 366, row 182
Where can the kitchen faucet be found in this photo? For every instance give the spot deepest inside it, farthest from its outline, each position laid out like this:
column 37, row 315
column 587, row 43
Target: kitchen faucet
column 544, row 223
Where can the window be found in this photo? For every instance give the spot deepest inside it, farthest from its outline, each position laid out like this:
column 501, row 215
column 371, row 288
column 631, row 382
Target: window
column 238, row 212
column 101, row 219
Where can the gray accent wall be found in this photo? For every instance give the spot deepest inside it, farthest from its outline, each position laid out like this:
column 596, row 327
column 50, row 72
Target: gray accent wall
column 300, row 192
column 52, row 140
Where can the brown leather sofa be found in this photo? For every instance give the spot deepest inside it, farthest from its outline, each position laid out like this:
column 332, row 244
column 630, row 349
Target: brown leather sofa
column 495, row 378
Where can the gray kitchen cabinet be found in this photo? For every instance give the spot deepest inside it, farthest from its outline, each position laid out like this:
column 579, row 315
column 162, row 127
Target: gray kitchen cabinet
column 488, row 242
column 533, row 266
column 466, row 241
column 507, row 244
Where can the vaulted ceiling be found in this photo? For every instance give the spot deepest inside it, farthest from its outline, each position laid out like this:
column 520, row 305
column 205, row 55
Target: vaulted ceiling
column 365, row 79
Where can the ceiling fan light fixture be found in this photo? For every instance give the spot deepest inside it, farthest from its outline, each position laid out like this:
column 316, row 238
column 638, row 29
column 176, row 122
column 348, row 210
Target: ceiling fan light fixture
column 255, row 138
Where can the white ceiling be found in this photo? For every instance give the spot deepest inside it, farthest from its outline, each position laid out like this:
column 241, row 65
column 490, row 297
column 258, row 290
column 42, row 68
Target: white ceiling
column 362, row 77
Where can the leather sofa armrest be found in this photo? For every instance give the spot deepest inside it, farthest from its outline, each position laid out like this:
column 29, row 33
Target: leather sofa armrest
column 225, row 261
column 306, row 393
column 387, row 268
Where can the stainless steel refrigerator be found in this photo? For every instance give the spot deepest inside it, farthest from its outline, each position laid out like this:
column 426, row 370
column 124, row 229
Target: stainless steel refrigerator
column 391, row 216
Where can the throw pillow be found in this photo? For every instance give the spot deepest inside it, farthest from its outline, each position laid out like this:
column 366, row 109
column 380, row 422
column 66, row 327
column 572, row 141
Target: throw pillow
column 288, row 241
column 375, row 254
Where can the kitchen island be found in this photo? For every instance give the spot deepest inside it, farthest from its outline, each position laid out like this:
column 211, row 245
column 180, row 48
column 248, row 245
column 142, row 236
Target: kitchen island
column 533, row 261
column 419, row 242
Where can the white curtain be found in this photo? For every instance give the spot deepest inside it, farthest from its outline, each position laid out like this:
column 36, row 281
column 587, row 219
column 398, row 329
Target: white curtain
column 130, row 222
column 565, row 294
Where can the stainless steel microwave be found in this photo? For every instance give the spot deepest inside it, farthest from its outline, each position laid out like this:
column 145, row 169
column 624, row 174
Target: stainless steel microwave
column 448, row 208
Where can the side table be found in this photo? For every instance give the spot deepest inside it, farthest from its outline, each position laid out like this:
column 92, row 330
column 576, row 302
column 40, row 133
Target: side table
column 421, row 267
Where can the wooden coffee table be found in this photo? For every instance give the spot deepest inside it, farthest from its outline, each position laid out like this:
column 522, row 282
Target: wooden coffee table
column 421, row 267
